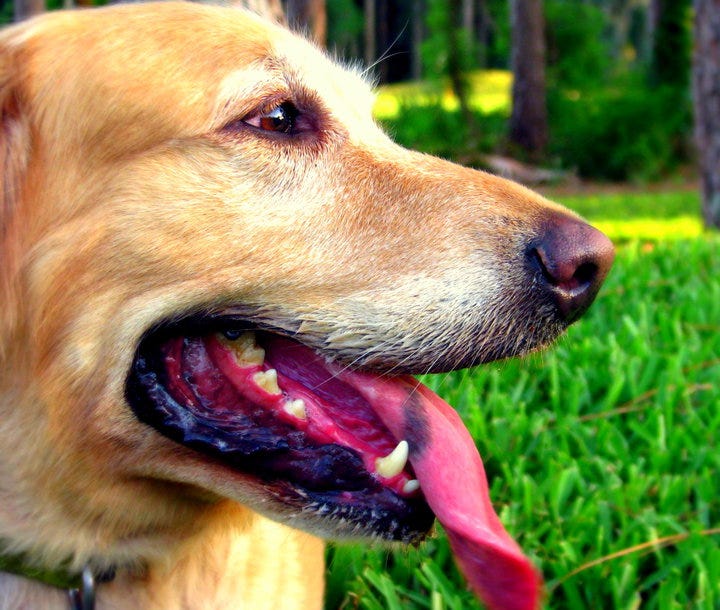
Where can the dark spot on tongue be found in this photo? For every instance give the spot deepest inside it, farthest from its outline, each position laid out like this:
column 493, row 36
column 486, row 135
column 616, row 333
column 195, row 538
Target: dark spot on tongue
column 416, row 430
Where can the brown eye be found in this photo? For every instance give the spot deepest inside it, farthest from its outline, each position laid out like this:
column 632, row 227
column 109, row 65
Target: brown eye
column 281, row 119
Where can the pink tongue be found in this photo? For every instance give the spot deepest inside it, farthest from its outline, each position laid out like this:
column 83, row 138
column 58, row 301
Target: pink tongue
column 452, row 478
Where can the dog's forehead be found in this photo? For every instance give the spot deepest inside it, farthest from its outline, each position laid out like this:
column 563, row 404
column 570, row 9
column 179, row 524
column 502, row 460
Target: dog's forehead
column 181, row 67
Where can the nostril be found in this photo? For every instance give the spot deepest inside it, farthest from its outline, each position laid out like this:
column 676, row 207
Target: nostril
column 537, row 259
column 566, row 275
column 585, row 275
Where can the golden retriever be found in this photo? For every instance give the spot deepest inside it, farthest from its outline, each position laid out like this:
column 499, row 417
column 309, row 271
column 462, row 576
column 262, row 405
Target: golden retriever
column 217, row 274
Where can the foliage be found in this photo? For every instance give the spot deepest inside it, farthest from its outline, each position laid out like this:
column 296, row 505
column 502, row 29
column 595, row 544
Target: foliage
column 578, row 54
column 445, row 38
column 437, row 131
column 497, row 52
column 623, row 132
column 620, row 131
column 345, row 24
column 671, row 45
column 6, row 12
column 426, row 116
column 600, row 453
column 605, row 121
column 489, row 93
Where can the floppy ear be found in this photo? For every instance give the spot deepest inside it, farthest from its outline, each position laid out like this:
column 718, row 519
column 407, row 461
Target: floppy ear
column 14, row 153
column 14, row 142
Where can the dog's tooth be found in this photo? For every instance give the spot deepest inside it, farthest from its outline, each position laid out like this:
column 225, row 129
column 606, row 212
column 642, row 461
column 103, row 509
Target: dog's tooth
column 267, row 380
column 244, row 348
column 296, row 407
column 411, row 486
column 393, row 464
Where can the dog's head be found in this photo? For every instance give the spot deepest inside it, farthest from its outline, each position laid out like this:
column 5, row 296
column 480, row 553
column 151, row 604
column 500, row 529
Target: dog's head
column 217, row 272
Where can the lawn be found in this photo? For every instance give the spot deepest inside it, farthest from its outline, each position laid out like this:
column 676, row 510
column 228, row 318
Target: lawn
column 601, row 452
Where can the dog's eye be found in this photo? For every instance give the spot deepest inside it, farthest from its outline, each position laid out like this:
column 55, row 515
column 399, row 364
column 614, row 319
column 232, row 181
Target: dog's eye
column 281, row 119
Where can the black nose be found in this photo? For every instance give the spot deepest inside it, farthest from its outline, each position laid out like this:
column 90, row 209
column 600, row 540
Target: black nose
column 571, row 260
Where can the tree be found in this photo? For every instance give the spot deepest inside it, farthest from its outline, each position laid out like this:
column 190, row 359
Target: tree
column 670, row 42
column 27, row 8
column 528, row 121
column 448, row 54
column 370, row 34
column 308, row 16
column 706, row 90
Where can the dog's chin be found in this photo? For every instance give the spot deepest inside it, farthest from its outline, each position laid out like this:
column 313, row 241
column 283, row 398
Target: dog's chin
column 274, row 410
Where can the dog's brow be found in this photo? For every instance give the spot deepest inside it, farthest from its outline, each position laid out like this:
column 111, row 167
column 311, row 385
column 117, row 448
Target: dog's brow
column 243, row 90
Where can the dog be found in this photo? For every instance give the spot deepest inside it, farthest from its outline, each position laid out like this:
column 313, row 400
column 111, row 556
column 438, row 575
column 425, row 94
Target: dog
column 217, row 275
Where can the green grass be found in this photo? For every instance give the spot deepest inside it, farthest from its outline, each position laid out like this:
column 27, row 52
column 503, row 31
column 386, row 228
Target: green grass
column 602, row 452
column 643, row 216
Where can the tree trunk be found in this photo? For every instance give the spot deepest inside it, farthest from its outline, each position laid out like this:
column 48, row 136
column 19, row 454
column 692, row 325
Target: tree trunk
column 370, row 33
column 706, row 90
column 418, row 35
column 670, row 43
column 27, row 8
column 468, row 17
column 457, row 55
column 382, row 67
column 310, row 17
column 528, row 122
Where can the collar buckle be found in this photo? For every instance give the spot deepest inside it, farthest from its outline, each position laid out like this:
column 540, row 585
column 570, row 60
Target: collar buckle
column 83, row 597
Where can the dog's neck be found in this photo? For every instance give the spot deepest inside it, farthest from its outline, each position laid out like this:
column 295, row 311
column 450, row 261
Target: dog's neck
column 241, row 561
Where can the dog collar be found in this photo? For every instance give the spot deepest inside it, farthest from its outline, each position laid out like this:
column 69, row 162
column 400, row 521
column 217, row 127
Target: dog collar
column 80, row 586
column 19, row 565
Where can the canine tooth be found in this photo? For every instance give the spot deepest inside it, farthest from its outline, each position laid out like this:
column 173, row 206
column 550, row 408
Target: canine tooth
column 393, row 464
column 411, row 486
column 245, row 350
column 296, row 407
column 267, row 380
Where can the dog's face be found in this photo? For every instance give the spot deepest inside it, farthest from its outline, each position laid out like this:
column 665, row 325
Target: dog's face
column 176, row 176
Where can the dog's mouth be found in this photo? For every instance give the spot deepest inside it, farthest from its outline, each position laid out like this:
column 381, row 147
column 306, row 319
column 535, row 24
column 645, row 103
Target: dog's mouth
column 377, row 455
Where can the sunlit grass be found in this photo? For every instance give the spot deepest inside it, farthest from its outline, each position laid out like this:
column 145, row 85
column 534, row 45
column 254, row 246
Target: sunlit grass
column 489, row 92
column 641, row 216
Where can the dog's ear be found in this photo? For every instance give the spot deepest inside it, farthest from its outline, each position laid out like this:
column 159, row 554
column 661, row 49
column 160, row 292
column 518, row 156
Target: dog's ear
column 14, row 153
column 14, row 141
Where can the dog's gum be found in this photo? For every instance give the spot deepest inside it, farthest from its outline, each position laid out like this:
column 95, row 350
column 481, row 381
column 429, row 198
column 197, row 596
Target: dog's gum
column 393, row 464
column 244, row 349
column 267, row 380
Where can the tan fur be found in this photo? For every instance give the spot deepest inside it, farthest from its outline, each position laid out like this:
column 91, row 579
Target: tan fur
column 126, row 199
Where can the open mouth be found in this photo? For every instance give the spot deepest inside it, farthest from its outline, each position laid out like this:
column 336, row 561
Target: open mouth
column 270, row 407
column 380, row 456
